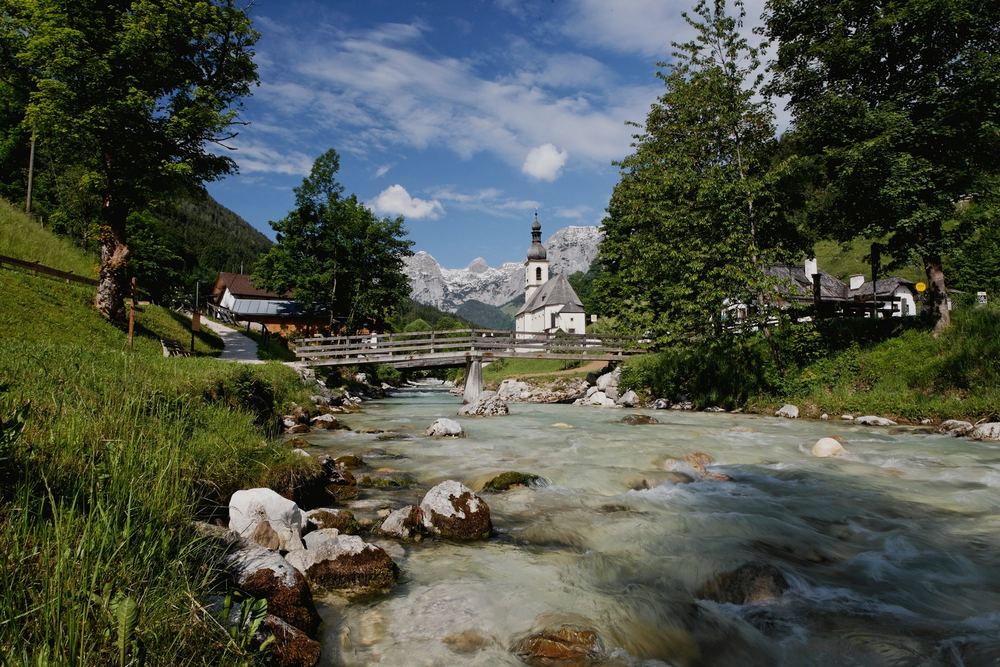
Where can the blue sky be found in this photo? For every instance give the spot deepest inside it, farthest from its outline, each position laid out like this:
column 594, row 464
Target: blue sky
column 462, row 116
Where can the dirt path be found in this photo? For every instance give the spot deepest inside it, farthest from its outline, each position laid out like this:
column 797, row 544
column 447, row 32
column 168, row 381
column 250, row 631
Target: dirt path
column 238, row 348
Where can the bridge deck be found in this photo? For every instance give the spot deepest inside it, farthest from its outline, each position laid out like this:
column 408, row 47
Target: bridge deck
column 452, row 348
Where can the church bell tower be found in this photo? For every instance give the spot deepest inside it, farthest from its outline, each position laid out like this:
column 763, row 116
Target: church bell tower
column 536, row 268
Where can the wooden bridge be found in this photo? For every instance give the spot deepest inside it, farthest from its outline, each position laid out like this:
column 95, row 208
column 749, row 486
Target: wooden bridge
column 462, row 347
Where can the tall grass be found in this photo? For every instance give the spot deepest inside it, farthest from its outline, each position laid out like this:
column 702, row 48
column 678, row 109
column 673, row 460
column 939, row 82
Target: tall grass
column 119, row 452
column 24, row 238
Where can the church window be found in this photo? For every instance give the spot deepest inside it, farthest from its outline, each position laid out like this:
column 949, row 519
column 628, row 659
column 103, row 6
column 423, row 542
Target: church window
column 538, row 273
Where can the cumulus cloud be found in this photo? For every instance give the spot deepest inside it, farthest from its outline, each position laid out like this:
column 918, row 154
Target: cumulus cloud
column 544, row 162
column 395, row 200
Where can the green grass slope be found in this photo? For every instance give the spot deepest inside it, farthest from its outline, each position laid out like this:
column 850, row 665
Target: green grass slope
column 106, row 457
column 23, row 238
column 845, row 261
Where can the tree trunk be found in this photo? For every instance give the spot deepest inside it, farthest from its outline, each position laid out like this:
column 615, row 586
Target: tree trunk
column 937, row 293
column 112, row 285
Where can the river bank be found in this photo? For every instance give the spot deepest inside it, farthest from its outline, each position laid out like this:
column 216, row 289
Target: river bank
column 885, row 550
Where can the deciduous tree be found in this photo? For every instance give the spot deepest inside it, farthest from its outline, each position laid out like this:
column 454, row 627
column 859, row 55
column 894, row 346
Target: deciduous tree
column 693, row 220
column 132, row 91
column 332, row 251
column 899, row 103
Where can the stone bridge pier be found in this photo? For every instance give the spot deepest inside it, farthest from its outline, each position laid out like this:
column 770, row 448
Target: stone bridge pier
column 473, row 378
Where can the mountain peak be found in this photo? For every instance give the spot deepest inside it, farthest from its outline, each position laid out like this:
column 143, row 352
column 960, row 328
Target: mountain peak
column 569, row 249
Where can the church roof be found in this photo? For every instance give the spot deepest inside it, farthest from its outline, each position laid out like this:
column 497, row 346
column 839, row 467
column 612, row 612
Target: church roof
column 555, row 291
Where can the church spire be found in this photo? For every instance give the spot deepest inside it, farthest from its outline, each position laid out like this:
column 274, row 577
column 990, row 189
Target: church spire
column 537, row 250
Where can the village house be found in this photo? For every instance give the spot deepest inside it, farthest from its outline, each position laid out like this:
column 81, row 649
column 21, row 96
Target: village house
column 550, row 304
column 235, row 298
column 896, row 296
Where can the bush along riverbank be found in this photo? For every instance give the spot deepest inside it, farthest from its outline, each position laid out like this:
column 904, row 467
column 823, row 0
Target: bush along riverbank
column 108, row 457
column 894, row 369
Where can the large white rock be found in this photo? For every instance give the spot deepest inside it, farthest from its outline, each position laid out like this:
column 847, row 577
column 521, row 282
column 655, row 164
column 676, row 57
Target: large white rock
column 452, row 510
column 628, row 399
column 987, row 431
column 263, row 573
column 404, row 522
column 609, row 380
column 955, row 427
column 445, row 428
column 591, row 391
column 826, row 447
column 489, row 404
column 788, row 411
column 318, row 538
column 266, row 518
column 872, row 420
column 511, row 389
column 345, row 562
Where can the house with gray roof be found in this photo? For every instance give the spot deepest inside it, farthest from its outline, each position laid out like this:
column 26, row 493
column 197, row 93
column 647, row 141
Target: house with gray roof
column 235, row 297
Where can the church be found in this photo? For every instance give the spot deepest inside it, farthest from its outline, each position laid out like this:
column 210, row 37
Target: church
column 550, row 304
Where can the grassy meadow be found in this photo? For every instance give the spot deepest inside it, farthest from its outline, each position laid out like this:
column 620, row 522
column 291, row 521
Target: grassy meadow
column 107, row 455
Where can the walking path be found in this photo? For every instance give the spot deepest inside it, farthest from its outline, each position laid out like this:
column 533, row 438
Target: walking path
column 239, row 348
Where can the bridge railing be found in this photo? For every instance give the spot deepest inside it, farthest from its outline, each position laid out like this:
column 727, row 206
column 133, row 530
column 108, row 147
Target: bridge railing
column 413, row 346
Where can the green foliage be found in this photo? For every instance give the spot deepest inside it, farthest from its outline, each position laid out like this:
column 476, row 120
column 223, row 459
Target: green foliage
column 974, row 264
column 485, row 316
column 501, row 369
column 897, row 104
column 332, row 251
column 583, row 284
column 436, row 319
column 127, row 96
column 697, row 213
column 417, row 325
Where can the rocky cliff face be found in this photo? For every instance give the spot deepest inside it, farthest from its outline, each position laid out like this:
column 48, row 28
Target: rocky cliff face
column 570, row 249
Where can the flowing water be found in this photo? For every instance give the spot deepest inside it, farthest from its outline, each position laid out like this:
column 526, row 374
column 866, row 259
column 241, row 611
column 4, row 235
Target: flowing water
column 891, row 551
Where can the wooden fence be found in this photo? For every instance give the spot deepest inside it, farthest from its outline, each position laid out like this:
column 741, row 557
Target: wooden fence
column 36, row 267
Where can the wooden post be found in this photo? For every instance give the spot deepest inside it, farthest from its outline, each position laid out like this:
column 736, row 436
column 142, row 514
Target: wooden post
column 131, row 315
column 876, row 261
column 817, row 294
column 31, row 173
column 194, row 312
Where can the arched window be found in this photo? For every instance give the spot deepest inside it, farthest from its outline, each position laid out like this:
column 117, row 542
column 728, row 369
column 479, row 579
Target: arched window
column 538, row 273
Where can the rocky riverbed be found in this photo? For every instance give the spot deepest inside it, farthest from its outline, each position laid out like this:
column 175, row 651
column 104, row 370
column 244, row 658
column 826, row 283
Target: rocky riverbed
column 668, row 538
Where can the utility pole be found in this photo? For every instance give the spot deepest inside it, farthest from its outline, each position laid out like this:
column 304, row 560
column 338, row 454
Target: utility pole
column 876, row 258
column 31, row 173
column 195, row 315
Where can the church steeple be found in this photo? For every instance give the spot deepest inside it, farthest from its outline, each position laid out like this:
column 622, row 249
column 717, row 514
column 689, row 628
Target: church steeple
column 536, row 268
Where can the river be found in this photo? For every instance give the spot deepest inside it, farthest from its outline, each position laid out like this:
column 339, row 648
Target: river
column 891, row 551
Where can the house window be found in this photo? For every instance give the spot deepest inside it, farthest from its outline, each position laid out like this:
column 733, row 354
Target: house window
column 572, row 330
column 553, row 320
column 538, row 273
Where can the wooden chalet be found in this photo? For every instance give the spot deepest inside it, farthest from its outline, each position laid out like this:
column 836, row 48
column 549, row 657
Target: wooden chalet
column 235, row 299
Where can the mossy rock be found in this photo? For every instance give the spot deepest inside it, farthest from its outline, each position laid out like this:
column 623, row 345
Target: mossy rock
column 297, row 443
column 350, row 461
column 391, row 481
column 506, row 480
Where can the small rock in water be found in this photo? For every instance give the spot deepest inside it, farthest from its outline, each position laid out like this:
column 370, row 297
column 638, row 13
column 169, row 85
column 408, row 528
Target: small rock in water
column 987, row 431
column 560, row 645
column 445, row 428
column 489, row 404
column 628, row 399
column 788, row 411
column 824, row 416
column 872, row 420
column 506, row 480
column 715, row 408
column 406, row 523
column 826, row 447
column 467, row 641
column 562, row 425
column 955, row 427
column 634, row 420
column 350, row 461
column 453, row 511
column 847, row 417
column 699, row 460
column 660, row 404
column 747, row 584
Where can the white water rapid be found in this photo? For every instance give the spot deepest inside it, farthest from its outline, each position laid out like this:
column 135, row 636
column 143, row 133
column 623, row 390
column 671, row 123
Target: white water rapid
column 891, row 551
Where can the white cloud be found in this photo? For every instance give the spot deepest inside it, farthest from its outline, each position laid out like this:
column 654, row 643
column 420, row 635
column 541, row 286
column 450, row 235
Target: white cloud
column 572, row 212
column 487, row 200
column 382, row 170
column 254, row 158
column 544, row 162
column 395, row 200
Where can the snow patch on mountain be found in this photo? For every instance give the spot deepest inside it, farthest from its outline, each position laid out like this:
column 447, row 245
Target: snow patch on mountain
column 570, row 249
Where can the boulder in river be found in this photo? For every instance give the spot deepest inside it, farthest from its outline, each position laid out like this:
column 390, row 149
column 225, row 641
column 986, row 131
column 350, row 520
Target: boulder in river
column 660, row 404
column 345, row 562
column 445, row 428
column 340, row 483
column 872, row 420
column 350, row 461
column 489, row 404
column 291, row 647
column 405, row 523
column 513, row 390
column 566, row 644
column 634, row 420
column 506, row 480
column 263, row 516
column 826, row 447
column 628, row 400
column 327, row 422
column 748, row 584
column 788, row 411
column 325, row 517
column 262, row 573
column 987, row 431
column 451, row 510
column 955, row 427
